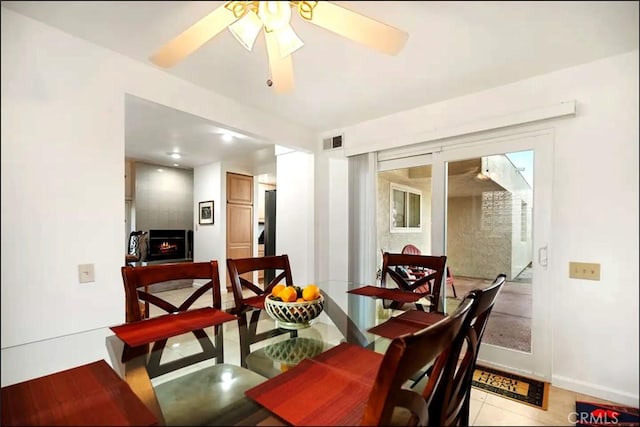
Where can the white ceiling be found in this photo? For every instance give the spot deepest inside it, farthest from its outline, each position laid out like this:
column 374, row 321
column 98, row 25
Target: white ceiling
column 154, row 131
column 454, row 48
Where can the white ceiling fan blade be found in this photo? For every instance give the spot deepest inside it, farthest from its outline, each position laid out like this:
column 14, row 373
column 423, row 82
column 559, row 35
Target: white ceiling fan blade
column 194, row 37
column 359, row 28
column 281, row 68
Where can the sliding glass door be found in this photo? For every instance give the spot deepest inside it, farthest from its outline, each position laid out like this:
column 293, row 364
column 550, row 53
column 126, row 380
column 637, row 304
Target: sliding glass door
column 487, row 208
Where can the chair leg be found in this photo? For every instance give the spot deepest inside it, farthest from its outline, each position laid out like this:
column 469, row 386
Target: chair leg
column 218, row 331
column 464, row 417
column 245, row 340
column 454, row 290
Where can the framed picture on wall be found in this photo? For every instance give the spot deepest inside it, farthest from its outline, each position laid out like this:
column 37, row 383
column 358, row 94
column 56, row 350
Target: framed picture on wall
column 205, row 212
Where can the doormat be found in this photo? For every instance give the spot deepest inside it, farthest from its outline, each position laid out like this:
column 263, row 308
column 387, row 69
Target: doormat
column 515, row 387
column 598, row 414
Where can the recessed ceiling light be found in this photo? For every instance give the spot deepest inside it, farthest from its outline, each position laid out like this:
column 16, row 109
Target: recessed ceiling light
column 160, row 170
column 226, row 137
column 175, row 155
column 175, row 164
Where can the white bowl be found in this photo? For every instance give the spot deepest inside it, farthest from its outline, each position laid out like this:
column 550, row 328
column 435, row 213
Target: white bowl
column 294, row 315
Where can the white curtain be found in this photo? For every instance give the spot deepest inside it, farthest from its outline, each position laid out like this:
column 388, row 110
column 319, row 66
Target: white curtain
column 362, row 219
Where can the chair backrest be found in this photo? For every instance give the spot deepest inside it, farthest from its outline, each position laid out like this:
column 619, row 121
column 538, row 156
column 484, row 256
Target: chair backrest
column 134, row 246
column 434, row 279
column 405, row 356
column 137, row 281
column 237, row 267
column 411, row 250
column 456, row 365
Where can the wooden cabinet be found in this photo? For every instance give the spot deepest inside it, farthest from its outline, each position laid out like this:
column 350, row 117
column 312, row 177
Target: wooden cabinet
column 239, row 218
column 239, row 189
column 239, row 225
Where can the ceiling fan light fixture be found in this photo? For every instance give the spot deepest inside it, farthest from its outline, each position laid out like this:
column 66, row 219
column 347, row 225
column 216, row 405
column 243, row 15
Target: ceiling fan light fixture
column 274, row 14
column 245, row 19
column 288, row 41
column 482, row 177
column 246, row 30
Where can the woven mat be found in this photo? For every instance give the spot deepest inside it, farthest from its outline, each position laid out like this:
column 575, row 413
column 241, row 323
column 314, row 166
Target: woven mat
column 515, row 387
column 387, row 293
column 598, row 414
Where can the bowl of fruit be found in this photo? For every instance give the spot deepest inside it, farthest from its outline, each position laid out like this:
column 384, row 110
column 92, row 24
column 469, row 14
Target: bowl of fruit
column 294, row 307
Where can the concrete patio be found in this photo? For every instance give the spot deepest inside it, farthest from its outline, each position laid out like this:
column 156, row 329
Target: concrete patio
column 510, row 321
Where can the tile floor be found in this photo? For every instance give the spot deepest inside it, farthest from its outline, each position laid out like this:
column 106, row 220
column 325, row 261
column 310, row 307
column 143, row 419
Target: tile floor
column 486, row 409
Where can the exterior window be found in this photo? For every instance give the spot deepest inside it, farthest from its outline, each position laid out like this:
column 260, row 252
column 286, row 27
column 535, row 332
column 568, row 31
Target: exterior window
column 405, row 209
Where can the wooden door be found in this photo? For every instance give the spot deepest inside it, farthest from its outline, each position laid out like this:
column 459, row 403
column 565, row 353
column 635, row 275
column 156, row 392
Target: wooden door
column 239, row 218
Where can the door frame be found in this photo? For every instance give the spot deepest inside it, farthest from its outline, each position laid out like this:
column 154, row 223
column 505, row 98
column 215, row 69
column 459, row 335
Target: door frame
column 540, row 140
column 537, row 363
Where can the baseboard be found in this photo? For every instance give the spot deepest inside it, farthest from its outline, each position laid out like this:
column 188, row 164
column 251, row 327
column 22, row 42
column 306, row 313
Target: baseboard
column 594, row 390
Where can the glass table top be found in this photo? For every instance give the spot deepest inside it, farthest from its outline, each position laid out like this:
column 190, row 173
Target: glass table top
column 211, row 391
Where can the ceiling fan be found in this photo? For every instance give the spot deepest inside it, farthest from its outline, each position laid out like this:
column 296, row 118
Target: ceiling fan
column 246, row 19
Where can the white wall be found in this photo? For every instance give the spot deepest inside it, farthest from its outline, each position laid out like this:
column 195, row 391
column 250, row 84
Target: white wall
column 207, row 185
column 295, row 214
column 594, row 215
column 63, row 180
column 210, row 183
column 331, row 215
column 338, row 219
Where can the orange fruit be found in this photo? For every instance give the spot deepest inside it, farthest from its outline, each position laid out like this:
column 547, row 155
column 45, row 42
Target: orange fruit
column 277, row 288
column 300, row 300
column 310, row 292
column 288, row 294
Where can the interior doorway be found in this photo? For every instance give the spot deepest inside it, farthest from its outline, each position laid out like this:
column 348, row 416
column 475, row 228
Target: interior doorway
column 266, row 222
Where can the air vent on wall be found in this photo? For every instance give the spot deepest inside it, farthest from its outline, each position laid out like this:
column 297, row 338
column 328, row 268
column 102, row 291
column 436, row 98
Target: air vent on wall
column 333, row 142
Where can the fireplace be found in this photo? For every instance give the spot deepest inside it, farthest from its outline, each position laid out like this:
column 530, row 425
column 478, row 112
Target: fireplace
column 169, row 245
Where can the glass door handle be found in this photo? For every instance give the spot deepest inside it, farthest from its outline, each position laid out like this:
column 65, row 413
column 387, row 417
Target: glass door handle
column 543, row 256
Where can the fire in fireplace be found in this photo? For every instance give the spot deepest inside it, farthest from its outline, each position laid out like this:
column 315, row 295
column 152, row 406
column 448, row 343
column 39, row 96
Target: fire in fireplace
column 169, row 244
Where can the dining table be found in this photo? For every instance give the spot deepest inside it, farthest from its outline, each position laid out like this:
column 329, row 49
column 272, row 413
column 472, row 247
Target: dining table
column 216, row 392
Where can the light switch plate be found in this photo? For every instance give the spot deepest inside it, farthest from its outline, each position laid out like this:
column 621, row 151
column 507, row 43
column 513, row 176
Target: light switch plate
column 584, row 270
column 86, row 273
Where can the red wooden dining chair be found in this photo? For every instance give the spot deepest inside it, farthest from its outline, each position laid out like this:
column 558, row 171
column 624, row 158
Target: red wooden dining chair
column 240, row 266
column 138, row 286
column 406, row 355
column 419, row 272
column 451, row 398
column 248, row 308
column 429, row 284
column 353, row 385
column 210, row 388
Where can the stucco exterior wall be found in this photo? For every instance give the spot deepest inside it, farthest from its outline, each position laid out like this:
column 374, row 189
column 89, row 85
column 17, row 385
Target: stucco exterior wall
column 394, row 242
column 479, row 235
